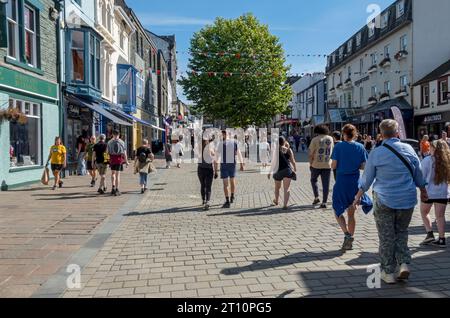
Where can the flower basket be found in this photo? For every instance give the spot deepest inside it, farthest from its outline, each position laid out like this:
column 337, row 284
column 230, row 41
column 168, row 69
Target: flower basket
column 386, row 62
column 13, row 115
column 373, row 69
column 372, row 100
column 401, row 55
column 385, row 97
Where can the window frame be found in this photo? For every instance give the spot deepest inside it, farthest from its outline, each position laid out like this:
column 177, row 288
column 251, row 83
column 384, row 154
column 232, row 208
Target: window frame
column 34, row 34
column 385, row 20
column 425, row 97
column 404, row 43
column 16, row 29
column 443, row 101
column 404, row 83
column 400, row 9
column 388, row 87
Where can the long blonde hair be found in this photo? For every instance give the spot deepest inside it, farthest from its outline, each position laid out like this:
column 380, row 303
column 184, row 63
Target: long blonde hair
column 441, row 162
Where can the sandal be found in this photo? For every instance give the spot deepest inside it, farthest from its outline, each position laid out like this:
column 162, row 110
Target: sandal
column 275, row 203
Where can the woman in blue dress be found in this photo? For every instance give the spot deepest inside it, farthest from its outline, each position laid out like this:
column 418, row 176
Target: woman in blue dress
column 349, row 157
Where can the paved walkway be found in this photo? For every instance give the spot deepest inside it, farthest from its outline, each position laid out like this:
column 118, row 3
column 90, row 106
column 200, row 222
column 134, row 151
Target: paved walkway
column 162, row 244
column 168, row 247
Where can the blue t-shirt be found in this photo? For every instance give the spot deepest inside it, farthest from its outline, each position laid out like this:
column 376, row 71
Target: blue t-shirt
column 350, row 156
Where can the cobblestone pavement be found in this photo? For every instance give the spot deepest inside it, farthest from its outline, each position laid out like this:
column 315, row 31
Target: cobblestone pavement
column 41, row 229
column 167, row 247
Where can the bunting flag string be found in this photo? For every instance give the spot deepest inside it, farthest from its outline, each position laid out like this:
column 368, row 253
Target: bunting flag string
column 239, row 55
column 258, row 74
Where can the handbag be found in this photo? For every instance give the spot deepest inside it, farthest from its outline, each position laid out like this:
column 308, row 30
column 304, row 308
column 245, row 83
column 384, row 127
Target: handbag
column 151, row 168
column 45, row 176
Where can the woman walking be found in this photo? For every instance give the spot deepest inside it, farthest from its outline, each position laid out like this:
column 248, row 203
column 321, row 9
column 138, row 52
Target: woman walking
column 168, row 154
column 178, row 153
column 436, row 170
column 287, row 168
column 349, row 157
column 58, row 160
column 143, row 164
column 207, row 170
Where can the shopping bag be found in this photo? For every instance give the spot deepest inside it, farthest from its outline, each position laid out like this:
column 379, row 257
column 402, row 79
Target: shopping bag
column 45, row 176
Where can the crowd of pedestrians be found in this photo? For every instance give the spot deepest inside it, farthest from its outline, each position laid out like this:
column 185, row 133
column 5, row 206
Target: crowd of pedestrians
column 392, row 169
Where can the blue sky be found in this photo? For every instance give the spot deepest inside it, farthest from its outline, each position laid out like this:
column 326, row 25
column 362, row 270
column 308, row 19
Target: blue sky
column 303, row 26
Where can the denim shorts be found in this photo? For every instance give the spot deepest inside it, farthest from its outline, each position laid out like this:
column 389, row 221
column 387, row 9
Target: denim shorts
column 228, row 171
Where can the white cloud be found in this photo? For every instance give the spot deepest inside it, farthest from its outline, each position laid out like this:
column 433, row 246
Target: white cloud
column 165, row 20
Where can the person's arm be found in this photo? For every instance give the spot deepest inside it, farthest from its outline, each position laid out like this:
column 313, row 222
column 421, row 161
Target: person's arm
column 334, row 164
column 241, row 160
column 367, row 179
column 49, row 157
column 312, row 153
column 419, row 179
column 292, row 159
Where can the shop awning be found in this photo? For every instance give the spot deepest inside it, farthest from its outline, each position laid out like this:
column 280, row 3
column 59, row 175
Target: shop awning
column 287, row 122
column 97, row 108
column 135, row 119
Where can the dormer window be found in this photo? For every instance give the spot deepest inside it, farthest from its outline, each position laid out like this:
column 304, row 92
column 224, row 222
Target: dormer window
column 341, row 53
column 400, row 8
column 385, row 20
column 350, row 46
column 372, row 28
column 358, row 39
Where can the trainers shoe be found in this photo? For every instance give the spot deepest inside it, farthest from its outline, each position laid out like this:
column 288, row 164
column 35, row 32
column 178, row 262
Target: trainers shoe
column 226, row 205
column 142, row 191
column 324, row 206
column 348, row 243
column 206, row 207
column 316, row 202
column 440, row 243
column 404, row 272
column 60, row 184
column 113, row 191
column 92, row 183
column 54, row 187
column 232, row 199
column 429, row 239
column 388, row 278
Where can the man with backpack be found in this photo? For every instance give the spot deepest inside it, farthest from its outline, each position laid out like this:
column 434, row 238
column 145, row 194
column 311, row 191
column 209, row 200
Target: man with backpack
column 117, row 158
column 143, row 164
column 100, row 160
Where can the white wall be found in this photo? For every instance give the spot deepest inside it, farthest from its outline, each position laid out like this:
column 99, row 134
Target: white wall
column 431, row 42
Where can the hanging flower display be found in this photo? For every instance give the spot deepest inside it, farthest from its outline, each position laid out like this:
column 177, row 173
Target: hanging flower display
column 13, row 115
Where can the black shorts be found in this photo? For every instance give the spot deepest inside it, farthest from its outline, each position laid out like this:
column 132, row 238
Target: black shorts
column 438, row 201
column 284, row 174
column 56, row 167
column 117, row 167
column 89, row 166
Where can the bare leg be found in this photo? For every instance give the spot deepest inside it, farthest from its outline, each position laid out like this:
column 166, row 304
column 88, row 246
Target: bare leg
column 287, row 191
column 425, row 212
column 277, row 192
column 225, row 188
column 57, row 178
column 342, row 223
column 113, row 178
column 351, row 220
column 439, row 209
column 117, row 179
column 233, row 185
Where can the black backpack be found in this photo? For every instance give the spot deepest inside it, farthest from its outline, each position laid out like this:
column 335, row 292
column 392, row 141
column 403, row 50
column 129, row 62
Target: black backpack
column 142, row 157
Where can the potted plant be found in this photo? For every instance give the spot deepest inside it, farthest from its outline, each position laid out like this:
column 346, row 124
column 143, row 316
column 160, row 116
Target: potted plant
column 13, row 115
column 384, row 97
column 386, row 62
column 401, row 55
column 400, row 93
column 372, row 100
column 373, row 69
column 339, row 86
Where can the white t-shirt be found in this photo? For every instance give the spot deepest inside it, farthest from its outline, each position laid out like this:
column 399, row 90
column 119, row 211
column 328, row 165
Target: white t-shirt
column 435, row 191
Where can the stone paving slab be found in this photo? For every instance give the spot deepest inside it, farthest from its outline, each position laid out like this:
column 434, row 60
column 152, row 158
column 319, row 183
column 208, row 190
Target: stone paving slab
column 41, row 229
column 168, row 247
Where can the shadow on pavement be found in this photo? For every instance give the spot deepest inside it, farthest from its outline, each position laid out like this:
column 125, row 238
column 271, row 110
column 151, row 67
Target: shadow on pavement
column 265, row 211
column 170, row 211
column 301, row 257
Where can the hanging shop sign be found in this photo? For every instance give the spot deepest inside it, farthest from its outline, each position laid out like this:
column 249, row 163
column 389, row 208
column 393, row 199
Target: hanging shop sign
column 432, row 119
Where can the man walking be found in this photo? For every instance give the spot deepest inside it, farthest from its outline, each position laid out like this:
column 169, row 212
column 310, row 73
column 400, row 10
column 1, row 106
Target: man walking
column 320, row 152
column 396, row 170
column 118, row 157
column 100, row 161
column 228, row 153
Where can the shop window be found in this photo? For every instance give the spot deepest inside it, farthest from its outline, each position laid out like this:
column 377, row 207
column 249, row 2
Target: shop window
column 25, row 138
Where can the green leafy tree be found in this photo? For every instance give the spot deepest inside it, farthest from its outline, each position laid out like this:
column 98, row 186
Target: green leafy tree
column 249, row 85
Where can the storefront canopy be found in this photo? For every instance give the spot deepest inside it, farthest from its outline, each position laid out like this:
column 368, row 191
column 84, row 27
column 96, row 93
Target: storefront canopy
column 96, row 108
column 135, row 119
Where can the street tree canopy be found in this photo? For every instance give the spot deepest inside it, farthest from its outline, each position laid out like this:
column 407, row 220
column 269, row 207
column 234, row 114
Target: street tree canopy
column 238, row 72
